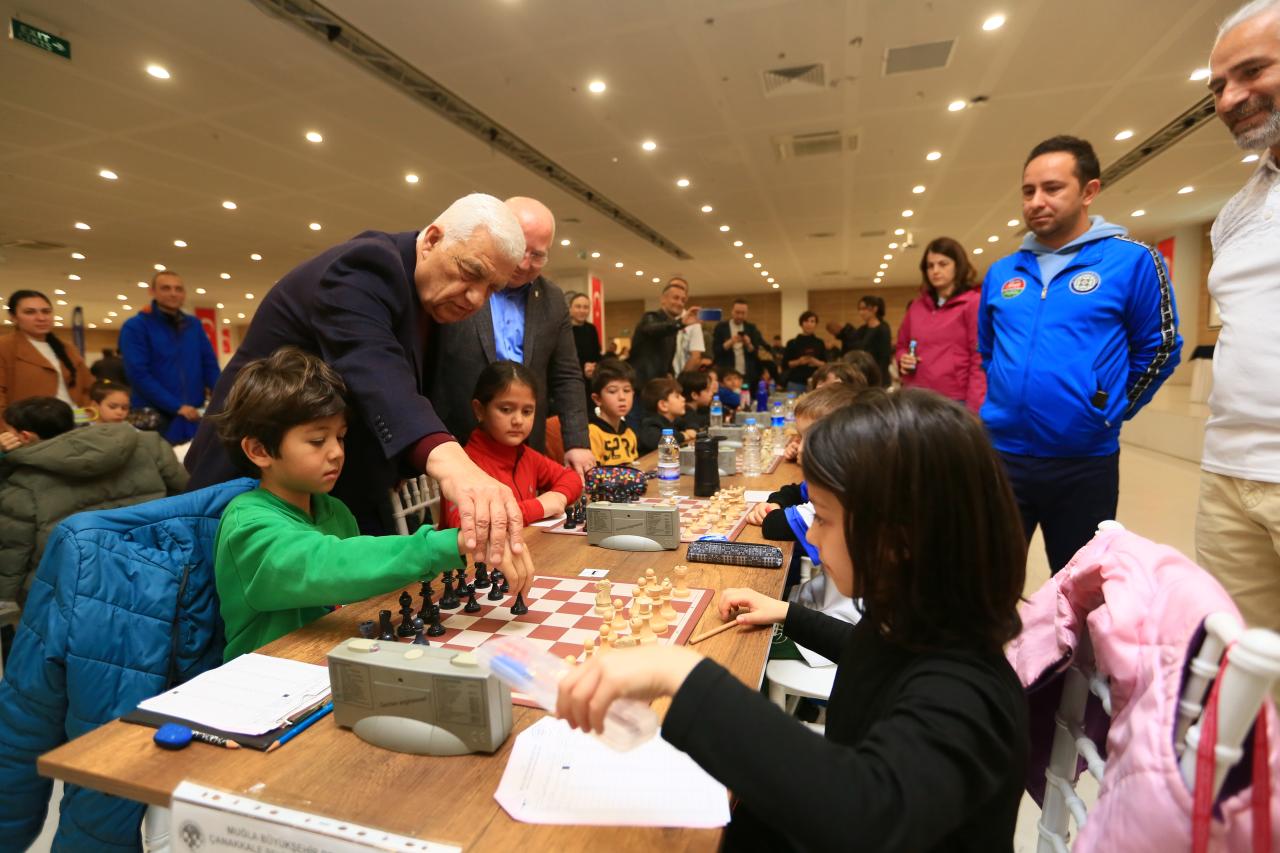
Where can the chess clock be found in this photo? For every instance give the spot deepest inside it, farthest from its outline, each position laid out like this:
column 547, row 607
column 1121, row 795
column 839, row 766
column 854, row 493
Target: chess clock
column 633, row 527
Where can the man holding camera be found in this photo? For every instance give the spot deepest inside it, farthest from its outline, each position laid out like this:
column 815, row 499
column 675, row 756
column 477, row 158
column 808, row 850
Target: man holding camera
column 737, row 344
column 656, row 339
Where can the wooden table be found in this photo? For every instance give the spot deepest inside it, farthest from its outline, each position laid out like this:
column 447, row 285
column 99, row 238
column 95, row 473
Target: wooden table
column 330, row 771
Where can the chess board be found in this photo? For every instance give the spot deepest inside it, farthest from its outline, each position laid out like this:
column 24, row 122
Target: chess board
column 690, row 529
column 561, row 617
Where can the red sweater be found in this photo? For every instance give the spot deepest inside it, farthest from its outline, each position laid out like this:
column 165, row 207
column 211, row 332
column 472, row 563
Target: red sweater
column 947, row 346
column 524, row 469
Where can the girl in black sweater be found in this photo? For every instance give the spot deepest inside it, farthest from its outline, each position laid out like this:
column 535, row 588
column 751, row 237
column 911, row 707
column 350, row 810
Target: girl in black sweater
column 926, row 734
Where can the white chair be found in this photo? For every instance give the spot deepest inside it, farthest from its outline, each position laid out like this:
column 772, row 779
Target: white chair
column 418, row 497
column 1254, row 665
column 793, row 680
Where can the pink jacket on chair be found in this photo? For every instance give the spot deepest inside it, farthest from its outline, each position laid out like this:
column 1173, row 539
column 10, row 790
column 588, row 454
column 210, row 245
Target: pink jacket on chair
column 1143, row 606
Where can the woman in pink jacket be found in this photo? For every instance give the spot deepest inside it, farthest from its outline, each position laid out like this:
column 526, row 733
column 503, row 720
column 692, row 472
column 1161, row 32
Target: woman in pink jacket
column 938, row 340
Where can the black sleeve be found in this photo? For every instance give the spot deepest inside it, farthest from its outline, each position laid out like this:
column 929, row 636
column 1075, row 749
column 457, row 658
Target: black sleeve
column 652, row 325
column 564, row 380
column 792, row 351
column 816, row 630
column 775, row 527
column 590, row 352
column 881, row 346
column 788, row 495
column 944, row 747
column 648, row 435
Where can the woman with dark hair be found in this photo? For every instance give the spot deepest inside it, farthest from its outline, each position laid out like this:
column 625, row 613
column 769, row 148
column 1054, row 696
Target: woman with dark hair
column 873, row 336
column 34, row 362
column 938, row 340
column 586, row 337
column 926, row 743
column 804, row 354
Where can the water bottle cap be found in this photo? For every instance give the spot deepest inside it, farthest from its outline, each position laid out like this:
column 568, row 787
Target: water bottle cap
column 751, row 421
column 791, row 395
column 668, row 432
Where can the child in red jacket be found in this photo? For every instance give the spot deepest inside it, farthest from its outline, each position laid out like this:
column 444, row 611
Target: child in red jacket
column 504, row 403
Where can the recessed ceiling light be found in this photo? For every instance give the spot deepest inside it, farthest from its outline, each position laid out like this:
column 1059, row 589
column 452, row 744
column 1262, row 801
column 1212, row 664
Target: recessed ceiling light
column 907, row 214
column 226, row 322
column 60, row 302
column 106, row 319
column 618, row 265
column 158, row 71
column 1200, row 74
column 764, row 273
column 1248, row 158
column 1185, row 190
column 595, row 87
column 893, row 245
column 113, row 314
column 682, row 182
column 229, row 205
column 240, row 314
column 93, row 325
column 724, row 227
column 649, row 145
column 917, row 189
column 769, row 280
column 84, row 226
column 1139, row 212
column 748, row 255
column 993, row 239
column 706, row 208
column 225, row 276
column 995, row 22
column 143, row 284
column 201, row 291
column 956, row 106
column 58, row 322
column 314, row 136
column 255, row 257
column 887, row 257
column 220, row 305
column 757, row 265
column 775, row 285
column 315, row 226
column 59, row 292
column 127, row 307
column 1013, row 223
column 248, row 296
column 933, row 155
column 181, row 244
column 564, row 242
column 737, row 244
column 639, row 273
column 898, row 232
column 77, row 256
column 410, row 178
column 1123, row 135
column 884, row 266
column 158, row 267
column 73, row 277
column 108, row 174
column 978, row 251
column 655, row 279
column 595, row 254
column 122, row 297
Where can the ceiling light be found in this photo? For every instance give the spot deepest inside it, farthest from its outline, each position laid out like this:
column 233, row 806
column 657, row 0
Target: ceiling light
column 143, row 284
column 315, row 226
column 313, row 136
column 1013, row 223
column 226, row 322
column 907, row 214
column 956, row 106
column 724, row 227
column 59, row 292
column 595, row 87
column 884, row 266
column 888, row 257
column 229, row 205
column 595, row 254
column 158, row 267
column 77, row 256
column 201, row 291
column 1123, row 135
column 1248, row 158
column 255, row 257
column 240, row 315
column 158, row 71
column 93, row 325
column 108, row 174
column 995, row 22
column 106, row 319
column 649, row 145
column 58, row 323
column 917, row 189
column 933, row 155
column 748, row 255
column 682, row 182
column 618, row 265
column 898, row 232
column 73, row 277
column 706, row 208
column 113, row 314
column 893, row 245
column 737, row 244
column 410, row 178
column 122, row 297
column 757, row 265
column 1139, row 212
column 655, row 279
column 769, row 280
column 220, row 305
column 993, row 239
column 764, row 273
column 639, row 273
column 60, row 302
column 84, row 226
column 225, row 276
column 564, row 242
column 181, row 244
column 248, row 296
column 1200, row 74
column 775, row 285
column 1186, row 190
column 127, row 307
column 978, row 251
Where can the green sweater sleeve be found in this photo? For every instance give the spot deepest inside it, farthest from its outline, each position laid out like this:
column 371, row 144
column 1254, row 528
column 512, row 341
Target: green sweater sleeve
column 286, row 568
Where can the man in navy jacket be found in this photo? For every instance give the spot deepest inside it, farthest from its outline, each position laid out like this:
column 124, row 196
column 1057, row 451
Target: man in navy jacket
column 1076, row 330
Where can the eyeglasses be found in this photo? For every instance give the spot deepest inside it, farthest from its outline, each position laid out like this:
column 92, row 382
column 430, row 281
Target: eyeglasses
column 536, row 258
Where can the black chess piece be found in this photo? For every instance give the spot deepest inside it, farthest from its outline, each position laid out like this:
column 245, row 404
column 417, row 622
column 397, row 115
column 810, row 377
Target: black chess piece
column 424, row 614
column 495, row 588
column 419, row 640
column 449, row 598
column 385, row 631
column 519, row 608
column 435, row 628
column 406, row 628
column 460, row 579
column 473, row 606
column 571, row 519
column 482, row 576
column 368, row 629
column 426, row 590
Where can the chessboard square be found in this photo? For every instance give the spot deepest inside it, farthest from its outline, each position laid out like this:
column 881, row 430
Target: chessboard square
column 575, row 584
column 537, row 617
column 468, row 639
column 584, row 598
column 561, row 620
column 488, row 625
column 590, row 622
column 544, row 582
column 517, row 629
column 578, row 608
column 546, row 632
column 556, row 594
column 544, row 605
column 460, row 621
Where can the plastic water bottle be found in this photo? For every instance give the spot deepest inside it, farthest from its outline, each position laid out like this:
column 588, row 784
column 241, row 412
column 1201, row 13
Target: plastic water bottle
column 751, row 448
column 762, row 396
column 668, row 465
column 717, row 412
column 790, row 410
column 779, row 419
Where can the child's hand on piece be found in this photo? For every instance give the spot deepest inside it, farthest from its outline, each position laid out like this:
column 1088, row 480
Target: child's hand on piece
column 792, row 451
column 759, row 511
column 553, row 504
column 518, row 569
column 643, row 673
column 748, row 607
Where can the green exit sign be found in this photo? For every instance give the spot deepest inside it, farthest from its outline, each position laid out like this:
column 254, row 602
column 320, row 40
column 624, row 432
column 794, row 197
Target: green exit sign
column 37, row 37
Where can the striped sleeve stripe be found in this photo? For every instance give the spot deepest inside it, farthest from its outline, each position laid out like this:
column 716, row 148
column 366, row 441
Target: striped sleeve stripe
column 1168, row 328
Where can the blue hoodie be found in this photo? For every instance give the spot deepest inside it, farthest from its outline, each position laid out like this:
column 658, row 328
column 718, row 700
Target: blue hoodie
column 1074, row 341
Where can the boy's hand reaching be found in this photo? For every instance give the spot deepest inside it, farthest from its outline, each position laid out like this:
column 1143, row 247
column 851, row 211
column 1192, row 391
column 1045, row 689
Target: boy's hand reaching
column 759, row 511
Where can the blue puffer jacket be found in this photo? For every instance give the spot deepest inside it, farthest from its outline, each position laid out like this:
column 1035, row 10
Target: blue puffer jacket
column 170, row 365
column 123, row 606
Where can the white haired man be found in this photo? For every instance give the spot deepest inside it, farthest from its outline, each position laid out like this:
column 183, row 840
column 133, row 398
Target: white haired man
column 369, row 307
column 1238, row 520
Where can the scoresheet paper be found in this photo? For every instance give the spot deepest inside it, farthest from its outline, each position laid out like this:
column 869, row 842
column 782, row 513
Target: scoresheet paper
column 560, row 776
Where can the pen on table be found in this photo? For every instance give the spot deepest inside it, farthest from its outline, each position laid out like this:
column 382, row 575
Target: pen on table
column 301, row 727
column 205, row 737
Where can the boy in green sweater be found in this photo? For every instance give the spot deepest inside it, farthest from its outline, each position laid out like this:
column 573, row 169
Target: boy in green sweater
column 286, row 549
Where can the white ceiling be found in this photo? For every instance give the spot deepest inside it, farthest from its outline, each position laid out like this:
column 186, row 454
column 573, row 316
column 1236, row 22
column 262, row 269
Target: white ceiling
column 246, row 86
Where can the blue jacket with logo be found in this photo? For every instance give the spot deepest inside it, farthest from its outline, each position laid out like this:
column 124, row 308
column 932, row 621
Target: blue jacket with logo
column 170, row 363
column 1070, row 359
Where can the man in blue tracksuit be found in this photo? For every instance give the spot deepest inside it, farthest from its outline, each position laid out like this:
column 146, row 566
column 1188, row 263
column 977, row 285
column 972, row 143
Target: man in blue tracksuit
column 1076, row 330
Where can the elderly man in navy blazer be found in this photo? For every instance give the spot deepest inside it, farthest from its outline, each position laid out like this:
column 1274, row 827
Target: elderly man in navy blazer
column 526, row 322
column 370, row 307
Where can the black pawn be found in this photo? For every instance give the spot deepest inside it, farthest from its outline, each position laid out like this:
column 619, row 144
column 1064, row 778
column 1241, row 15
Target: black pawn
column 368, row 629
column 419, row 640
column 495, row 589
column 460, row 580
column 482, row 576
column 571, row 518
column 519, row 608
column 406, row 628
column 385, row 631
column 449, row 599
column 473, row 606
column 435, row 628
column 427, row 606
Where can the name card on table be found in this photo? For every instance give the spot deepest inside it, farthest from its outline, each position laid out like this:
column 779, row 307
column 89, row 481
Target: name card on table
column 206, row 820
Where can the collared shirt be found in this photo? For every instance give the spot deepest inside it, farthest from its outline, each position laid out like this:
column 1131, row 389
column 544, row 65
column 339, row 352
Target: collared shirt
column 739, row 351
column 1242, row 435
column 688, row 341
column 508, row 308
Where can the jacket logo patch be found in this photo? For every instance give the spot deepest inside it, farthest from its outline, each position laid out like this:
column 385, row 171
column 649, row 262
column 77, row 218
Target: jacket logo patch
column 1085, row 282
column 1013, row 287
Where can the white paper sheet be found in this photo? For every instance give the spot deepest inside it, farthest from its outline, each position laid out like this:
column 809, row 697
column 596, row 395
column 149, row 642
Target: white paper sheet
column 550, row 522
column 756, row 496
column 250, row 695
column 556, row 775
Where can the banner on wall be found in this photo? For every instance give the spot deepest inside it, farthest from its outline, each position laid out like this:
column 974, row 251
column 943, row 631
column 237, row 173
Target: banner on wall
column 1165, row 248
column 208, row 318
column 226, row 341
column 597, row 306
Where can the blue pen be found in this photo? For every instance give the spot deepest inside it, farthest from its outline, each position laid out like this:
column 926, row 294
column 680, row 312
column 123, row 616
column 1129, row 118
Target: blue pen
column 302, row 726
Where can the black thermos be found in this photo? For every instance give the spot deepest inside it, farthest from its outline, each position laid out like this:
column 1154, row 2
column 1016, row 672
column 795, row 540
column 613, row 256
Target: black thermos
column 706, row 465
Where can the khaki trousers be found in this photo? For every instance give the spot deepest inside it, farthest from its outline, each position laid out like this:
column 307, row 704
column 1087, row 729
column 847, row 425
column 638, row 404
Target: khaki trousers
column 1238, row 542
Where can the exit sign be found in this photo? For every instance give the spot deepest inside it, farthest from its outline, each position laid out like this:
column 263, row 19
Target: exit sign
column 37, row 37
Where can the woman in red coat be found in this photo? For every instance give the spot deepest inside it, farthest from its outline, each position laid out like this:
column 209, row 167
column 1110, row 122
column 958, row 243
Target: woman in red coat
column 938, row 340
